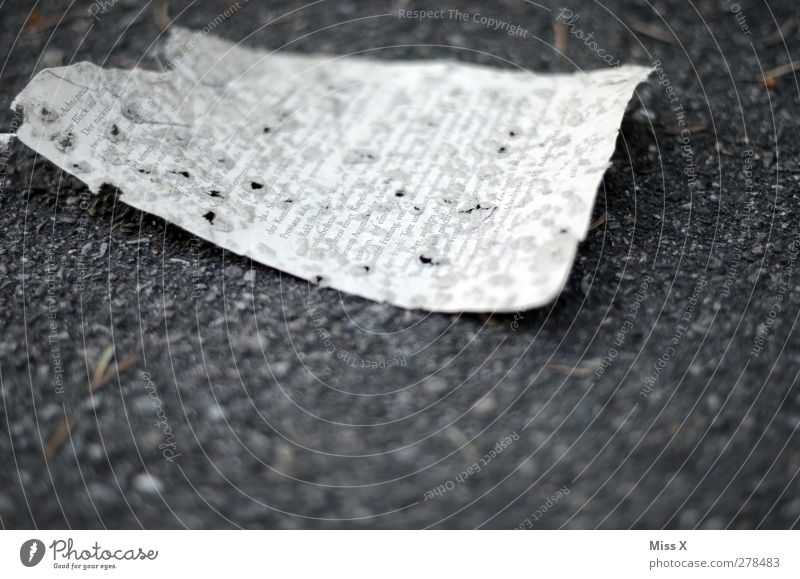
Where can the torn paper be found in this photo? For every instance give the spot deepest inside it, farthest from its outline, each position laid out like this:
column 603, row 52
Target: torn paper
column 426, row 184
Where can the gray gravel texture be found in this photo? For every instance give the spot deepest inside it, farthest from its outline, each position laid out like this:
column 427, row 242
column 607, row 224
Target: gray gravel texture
column 659, row 390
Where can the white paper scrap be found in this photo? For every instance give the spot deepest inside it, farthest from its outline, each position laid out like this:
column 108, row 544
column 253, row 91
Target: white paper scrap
column 426, row 184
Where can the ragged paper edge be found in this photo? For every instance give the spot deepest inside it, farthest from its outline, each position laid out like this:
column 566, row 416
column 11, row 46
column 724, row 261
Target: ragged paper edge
column 593, row 178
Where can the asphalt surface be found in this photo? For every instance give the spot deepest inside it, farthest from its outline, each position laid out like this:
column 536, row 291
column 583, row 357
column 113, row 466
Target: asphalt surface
column 659, row 390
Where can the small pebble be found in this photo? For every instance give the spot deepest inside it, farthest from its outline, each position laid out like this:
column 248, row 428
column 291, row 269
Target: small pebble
column 434, row 385
column 485, row 405
column 147, row 484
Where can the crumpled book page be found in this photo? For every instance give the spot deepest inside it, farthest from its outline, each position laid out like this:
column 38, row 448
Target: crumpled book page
column 426, row 184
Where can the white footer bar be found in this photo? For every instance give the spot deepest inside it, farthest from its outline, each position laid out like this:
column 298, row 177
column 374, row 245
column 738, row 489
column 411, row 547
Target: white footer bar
column 399, row 554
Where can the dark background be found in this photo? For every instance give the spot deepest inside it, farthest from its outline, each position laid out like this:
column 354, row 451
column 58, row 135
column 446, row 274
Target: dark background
column 275, row 432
